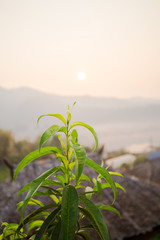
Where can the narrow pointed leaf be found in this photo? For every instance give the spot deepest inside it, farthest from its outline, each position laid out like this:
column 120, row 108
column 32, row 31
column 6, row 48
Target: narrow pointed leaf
column 61, row 179
column 80, row 154
column 34, row 155
column 50, row 132
column 68, row 117
column 36, row 184
column 69, row 212
column 107, row 207
column 46, row 182
column 104, row 173
column 116, row 174
column 32, row 201
column 63, row 159
column 95, row 217
column 89, row 128
column 119, row 186
column 74, row 136
column 35, row 224
column 34, row 214
column 51, row 182
column 62, row 143
column 55, row 199
column 85, row 178
column 107, row 185
column 87, row 227
column 56, row 231
column 54, row 191
column 56, row 115
column 10, row 226
column 71, row 166
column 46, row 224
column 84, row 234
column 63, row 130
column 89, row 192
column 25, row 188
column 99, row 187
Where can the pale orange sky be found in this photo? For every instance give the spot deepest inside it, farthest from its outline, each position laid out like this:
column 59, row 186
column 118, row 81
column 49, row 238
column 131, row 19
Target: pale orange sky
column 46, row 43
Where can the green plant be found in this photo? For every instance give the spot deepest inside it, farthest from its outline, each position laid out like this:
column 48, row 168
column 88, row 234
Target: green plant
column 140, row 159
column 125, row 166
column 4, row 173
column 157, row 237
column 63, row 219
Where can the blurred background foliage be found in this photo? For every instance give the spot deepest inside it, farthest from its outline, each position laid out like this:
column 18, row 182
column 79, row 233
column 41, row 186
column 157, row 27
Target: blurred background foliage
column 14, row 151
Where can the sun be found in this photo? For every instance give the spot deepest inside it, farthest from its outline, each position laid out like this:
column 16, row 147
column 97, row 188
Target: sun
column 81, row 76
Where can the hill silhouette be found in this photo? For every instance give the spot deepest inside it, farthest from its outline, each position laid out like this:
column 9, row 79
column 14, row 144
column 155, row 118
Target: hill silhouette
column 21, row 107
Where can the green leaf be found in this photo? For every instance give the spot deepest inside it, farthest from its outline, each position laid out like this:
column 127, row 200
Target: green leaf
column 40, row 215
column 89, row 189
column 50, row 132
column 63, row 130
column 89, row 128
column 61, row 179
column 62, row 143
column 10, row 231
column 51, row 182
column 70, row 153
column 85, row 178
column 80, row 155
column 102, row 163
column 10, row 226
column 93, row 214
column 4, row 224
column 24, row 189
column 56, row 115
column 36, row 183
column 35, row 224
column 107, row 207
column 34, row 155
column 107, row 185
column 74, row 136
column 63, row 159
column 55, row 199
column 43, row 193
column 116, row 174
column 34, row 214
column 87, row 227
column 84, row 234
column 46, row 182
column 46, row 224
column 32, row 201
column 104, row 173
column 68, row 117
column 71, row 166
column 119, row 186
column 69, row 212
column 99, row 187
column 54, row 191
column 56, row 231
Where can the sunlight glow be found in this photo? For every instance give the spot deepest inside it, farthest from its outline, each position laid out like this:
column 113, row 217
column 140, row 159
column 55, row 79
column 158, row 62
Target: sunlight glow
column 81, row 76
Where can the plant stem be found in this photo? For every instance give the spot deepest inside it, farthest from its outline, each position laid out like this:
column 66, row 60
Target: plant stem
column 67, row 138
column 67, row 142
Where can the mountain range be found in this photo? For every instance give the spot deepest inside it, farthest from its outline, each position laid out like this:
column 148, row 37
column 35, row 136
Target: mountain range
column 118, row 122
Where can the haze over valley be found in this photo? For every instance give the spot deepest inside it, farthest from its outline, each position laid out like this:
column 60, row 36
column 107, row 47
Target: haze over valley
column 118, row 122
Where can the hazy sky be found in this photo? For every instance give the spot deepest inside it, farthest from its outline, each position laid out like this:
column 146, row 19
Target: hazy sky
column 44, row 44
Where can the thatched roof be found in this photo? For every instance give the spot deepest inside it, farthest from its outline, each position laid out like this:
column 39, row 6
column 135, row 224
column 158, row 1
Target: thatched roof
column 148, row 172
column 139, row 206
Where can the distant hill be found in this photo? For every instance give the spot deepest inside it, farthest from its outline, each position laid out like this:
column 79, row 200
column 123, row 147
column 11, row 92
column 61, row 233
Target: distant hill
column 114, row 119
